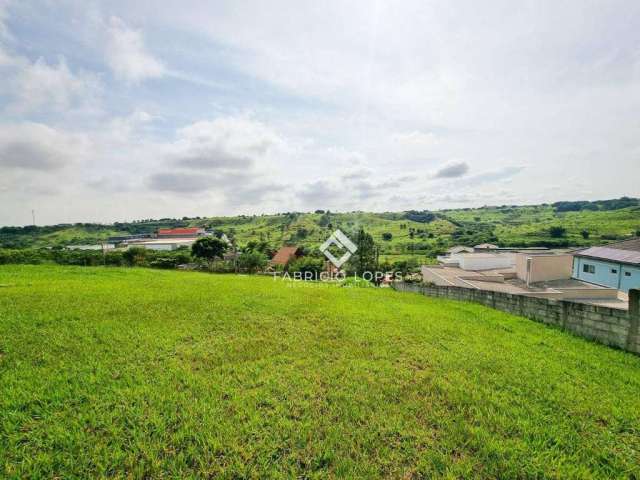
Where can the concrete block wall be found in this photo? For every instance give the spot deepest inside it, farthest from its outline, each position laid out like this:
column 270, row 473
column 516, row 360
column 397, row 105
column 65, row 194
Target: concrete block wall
column 610, row 326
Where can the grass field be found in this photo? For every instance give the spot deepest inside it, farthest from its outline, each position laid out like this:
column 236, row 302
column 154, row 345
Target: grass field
column 135, row 373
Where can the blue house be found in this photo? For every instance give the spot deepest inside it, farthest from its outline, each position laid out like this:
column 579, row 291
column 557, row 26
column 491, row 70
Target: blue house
column 616, row 265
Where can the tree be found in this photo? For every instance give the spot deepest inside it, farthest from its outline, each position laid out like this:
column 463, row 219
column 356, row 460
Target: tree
column 325, row 219
column 422, row 217
column 405, row 267
column 135, row 256
column 557, row 232
column 208, row 249
column 364, row 260
column 252, row 261
column 261, row 246
column 585, row 234
column 387, row 236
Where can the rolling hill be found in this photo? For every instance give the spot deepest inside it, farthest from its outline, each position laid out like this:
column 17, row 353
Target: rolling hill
column 400, row 235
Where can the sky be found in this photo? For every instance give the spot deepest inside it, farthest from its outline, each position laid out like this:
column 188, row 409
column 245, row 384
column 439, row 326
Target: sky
column 119, row 110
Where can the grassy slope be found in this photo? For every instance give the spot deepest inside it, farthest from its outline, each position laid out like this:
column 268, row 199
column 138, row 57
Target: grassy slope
column 512, row 226
column 523, row 224
column 150, row 373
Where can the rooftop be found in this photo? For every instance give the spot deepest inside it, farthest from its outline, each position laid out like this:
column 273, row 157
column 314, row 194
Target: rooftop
column 283, row 255
column 627, row 251
column 504, row 280
column 179, row 231
column 164, row 241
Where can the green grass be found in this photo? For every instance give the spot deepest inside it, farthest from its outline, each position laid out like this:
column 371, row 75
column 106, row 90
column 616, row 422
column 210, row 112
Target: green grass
column 161, row 374
column 521, row 225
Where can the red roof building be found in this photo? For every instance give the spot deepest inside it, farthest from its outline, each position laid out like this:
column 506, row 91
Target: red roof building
column 180, row 232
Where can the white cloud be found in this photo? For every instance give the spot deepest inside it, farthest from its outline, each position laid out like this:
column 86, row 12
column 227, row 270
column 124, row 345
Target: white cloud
column 237, row 135
column 223, row 155
column 416, row 138
column 127, row 55
column 349, row 97
column 39, row 148
column 39, row 85
column 130, row 127
column 4, row 30
column 452, row 170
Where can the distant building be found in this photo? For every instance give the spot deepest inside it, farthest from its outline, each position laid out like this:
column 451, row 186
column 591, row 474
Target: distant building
column 616, row 265
column 162, row 243
column 486, row 246
column 285, row 255
column 527, row 273
column 125, row 238
column 478, row 261
column 181, row 232
column 101, row 246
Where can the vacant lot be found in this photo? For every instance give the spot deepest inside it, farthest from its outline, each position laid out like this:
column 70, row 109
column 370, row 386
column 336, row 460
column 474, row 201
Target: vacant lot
column 140, row 373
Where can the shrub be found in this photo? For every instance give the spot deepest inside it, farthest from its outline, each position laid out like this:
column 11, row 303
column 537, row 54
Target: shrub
column 610, row 236
column 557, row 232
column 135, row 256
column 307, row 264
column 421, row 217
column 164, row 262
column 252, row 261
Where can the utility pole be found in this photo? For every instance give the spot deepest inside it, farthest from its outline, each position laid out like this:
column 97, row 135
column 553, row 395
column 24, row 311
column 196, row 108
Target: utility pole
column 33, row 217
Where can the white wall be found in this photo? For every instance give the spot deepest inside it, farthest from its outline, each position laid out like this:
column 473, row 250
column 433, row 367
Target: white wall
column 472, row 261
column 544, row 268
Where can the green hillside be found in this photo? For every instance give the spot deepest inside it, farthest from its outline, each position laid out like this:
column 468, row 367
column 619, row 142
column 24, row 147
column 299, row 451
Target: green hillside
column 133, row 373
column 400, row 235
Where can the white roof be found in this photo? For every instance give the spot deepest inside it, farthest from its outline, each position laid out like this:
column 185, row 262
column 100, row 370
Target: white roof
column 164, row 241
column 460, row 248
column 482, row 255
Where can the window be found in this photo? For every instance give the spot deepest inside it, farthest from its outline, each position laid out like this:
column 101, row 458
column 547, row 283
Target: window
column 586, row 268
column 614, row 270
column 627, row 274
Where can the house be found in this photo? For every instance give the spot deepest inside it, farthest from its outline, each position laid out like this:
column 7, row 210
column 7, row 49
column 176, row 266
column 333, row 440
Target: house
column 616, row 265
column 181, row 232
column 285, row 255
column 528, row 273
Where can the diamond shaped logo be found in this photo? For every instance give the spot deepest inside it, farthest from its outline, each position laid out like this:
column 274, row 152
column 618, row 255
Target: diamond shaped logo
column 341, row 241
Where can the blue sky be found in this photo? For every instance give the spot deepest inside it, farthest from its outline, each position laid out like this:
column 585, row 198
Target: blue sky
column 124, row 110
